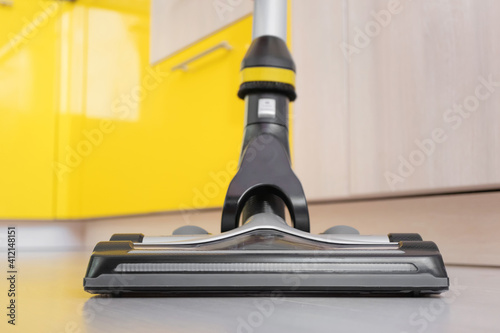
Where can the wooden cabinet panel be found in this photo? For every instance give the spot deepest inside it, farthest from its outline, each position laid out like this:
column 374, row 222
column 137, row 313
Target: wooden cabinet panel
column 176, row 24
column 320, row 119
column 401, row 97
column 422, row 115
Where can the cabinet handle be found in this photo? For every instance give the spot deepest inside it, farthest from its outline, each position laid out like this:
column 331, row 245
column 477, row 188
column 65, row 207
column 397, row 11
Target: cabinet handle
column 184, row 65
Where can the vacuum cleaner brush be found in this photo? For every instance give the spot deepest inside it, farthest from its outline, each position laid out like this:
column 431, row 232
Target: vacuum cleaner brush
column 266, row 256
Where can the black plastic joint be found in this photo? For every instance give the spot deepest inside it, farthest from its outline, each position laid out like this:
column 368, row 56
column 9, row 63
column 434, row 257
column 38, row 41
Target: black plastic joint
column 259, row 87
column 268, row 51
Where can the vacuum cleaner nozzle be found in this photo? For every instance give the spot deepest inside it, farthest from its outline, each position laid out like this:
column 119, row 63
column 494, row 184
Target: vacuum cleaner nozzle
column 265, row 254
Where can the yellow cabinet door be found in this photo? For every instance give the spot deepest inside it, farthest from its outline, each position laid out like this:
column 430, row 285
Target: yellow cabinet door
column 29, row 99
column 135, row 138
column 89, row 128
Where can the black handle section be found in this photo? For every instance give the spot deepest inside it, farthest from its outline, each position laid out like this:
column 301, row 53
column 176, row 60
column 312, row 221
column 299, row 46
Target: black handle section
column 265, row 169
column 265, row 181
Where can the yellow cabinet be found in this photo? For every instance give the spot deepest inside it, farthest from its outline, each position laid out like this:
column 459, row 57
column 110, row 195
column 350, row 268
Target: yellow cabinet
column 88, row 128
column 135, row 138
column 29, row 100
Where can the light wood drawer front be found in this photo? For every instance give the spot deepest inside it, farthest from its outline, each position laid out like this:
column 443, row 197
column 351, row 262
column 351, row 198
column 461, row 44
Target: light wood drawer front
column 410, row 106
column 176, row 24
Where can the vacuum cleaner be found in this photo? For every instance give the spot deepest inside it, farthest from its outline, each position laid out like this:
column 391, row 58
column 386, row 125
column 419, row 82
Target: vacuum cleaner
column 258, row 251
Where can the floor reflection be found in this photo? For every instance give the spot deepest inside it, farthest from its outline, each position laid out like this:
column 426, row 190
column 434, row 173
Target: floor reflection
column 265, row 314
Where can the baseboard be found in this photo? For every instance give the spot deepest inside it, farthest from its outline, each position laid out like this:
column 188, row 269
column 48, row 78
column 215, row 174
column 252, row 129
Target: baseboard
column 465, row 226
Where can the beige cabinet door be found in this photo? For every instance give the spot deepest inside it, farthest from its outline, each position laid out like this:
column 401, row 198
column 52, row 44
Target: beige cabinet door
column 320, row 118
column 198, row 20
column 403, row 97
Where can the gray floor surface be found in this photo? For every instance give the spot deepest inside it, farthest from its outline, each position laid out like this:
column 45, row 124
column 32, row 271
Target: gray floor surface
column 471, row 305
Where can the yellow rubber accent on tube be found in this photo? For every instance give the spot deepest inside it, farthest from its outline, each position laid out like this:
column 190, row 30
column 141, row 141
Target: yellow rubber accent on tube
column 272, row 74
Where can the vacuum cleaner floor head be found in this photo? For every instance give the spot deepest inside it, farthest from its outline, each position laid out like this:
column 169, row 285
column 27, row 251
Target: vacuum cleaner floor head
column 266, row 256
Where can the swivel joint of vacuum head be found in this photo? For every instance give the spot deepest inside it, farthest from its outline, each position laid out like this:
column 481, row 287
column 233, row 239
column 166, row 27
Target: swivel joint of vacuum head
column 268, row 67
